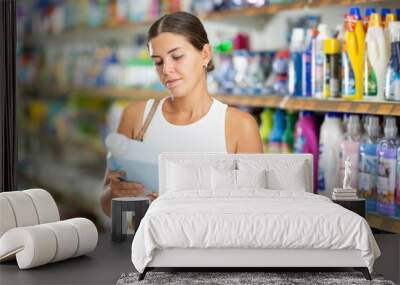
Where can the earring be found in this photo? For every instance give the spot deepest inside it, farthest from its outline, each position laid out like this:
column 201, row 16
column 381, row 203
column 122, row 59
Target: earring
column 205, row 65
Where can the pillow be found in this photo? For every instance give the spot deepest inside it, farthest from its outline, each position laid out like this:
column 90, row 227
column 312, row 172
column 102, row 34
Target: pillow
column 251, row 178
column 282, row 173
column 223, row 179
column 185, row 177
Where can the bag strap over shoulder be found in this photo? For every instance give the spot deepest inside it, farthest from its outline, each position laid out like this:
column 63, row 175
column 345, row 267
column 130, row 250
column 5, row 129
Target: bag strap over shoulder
column 149, row 117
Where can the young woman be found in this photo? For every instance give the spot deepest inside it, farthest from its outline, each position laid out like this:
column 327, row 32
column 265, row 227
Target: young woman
column 189, row 119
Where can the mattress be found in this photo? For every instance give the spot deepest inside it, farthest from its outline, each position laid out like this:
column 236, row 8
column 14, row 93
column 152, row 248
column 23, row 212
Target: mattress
column 251, row 219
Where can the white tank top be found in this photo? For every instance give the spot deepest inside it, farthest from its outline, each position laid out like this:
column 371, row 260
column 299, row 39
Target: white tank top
column 204, row 135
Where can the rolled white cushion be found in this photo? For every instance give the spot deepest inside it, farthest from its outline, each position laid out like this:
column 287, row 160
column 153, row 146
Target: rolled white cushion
column 67, row 239
column 45, row 205
column 33, row 246
column 23, row 208
column 7, row 218
column 87, row 235
column 40, row 244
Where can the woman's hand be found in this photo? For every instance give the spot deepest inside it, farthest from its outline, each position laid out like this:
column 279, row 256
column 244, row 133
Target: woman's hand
column 152, row 196
column 121, row 188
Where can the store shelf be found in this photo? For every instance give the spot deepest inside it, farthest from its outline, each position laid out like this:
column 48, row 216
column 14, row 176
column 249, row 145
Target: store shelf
column 234, row 13
column 273, row 101
column 380, row 222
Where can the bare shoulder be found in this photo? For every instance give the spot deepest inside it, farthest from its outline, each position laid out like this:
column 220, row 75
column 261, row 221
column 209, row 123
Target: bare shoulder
column 240, row 119
column 131, row 118
column 242, row 131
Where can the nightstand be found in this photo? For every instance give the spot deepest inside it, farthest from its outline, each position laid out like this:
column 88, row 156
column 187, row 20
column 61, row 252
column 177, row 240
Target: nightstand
column 357, row 205
column 136, row 206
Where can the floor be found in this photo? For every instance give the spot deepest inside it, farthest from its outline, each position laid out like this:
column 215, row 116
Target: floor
column 389, row 262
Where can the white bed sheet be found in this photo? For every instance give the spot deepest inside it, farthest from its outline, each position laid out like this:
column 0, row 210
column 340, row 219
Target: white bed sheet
column 251, row 218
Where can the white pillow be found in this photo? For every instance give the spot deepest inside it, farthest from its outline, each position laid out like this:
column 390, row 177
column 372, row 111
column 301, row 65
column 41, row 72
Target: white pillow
column 282, row 174
column 251, row 178
column 185, row 177
column 223, row 179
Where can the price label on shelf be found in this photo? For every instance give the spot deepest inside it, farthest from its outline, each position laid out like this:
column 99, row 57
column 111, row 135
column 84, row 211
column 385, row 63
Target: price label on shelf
column 396, row 110
column 343, row 107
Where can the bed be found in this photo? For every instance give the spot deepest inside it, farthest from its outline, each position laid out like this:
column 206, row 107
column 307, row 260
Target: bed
column 247, row 210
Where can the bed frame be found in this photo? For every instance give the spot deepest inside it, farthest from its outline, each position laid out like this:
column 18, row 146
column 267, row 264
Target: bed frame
column 242, row 259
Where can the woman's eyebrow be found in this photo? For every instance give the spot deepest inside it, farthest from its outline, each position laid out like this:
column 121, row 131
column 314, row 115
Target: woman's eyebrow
column 171, row 50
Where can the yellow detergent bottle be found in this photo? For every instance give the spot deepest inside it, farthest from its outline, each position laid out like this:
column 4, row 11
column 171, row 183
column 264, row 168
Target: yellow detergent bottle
column 355, row 46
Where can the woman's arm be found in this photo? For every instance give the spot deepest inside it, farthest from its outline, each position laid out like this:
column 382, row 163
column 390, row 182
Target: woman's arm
column 243, row 135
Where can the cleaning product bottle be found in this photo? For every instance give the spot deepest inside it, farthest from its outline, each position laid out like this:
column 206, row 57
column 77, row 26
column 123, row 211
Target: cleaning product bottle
column 368, row 12
column 392, row 83
column 275, row 138
column 397, row 194
column 368, row 164
column 295, row 63
column 330, row 137
column 387, row 156
column 389, row 18
column 355, row 45
column 376, row 60
column 348, row 85
column 384, row 13
column 331, row 70
column 307, row 61
column 317, row 72
column 306, row 140
column 288, row 134
column 349, row 148
column 266, row 127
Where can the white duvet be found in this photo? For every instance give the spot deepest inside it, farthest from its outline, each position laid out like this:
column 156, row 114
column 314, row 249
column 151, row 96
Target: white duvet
column 253, row 218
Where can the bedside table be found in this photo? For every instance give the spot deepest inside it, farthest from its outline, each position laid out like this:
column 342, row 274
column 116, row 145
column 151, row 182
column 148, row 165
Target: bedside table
column 137, row 206
column 357, row 205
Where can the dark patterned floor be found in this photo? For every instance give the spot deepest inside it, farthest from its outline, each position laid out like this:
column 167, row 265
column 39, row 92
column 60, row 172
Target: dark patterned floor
column 230, row 278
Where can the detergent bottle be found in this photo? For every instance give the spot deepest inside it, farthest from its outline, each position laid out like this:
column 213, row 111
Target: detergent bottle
column 387, row 157
column 392, row 83
column 306, row 140
column 388, row 19
column 330, row 137
column 295, row 62
column 288, row 134
column 355, row 46
column 317, row 72
column 349, row 148
column 275, row 137
column 368, row 164
column 266, row 127
column 376, row 60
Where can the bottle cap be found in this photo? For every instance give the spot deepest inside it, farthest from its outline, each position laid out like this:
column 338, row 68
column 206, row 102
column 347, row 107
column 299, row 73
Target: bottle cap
column 375, row 20
column 355, row 11
column 369, row 11
column 398, row 14
column 331, row 46
column 372, row 127
column 390, row 129
column 390, row 18
column 384, row 12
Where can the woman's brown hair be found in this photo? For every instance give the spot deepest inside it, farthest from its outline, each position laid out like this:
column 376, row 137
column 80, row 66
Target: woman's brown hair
column 184, row 24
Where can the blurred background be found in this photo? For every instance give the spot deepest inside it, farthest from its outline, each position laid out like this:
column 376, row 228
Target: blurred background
column 79, row 62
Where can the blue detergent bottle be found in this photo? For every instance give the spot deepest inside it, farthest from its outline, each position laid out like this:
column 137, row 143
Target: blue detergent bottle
column 276, row 135
column 392, row 81
column 295, row 62
column 368, row 163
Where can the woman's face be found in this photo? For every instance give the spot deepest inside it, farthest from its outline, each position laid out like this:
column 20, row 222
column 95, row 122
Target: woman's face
column 179, row 65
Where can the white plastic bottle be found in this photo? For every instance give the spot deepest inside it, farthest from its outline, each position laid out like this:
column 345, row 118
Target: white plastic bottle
column 377, row 56
column 368, row 164
column 317, row 65
column 350, row 148
column 331, row 135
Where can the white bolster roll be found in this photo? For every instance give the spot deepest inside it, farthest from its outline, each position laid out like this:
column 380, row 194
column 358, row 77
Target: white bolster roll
column 40, row 244
column 7, row 218
column 34, row 245
column 45, row 205
column 87, row 235
column 23, row 207
column 67, row 239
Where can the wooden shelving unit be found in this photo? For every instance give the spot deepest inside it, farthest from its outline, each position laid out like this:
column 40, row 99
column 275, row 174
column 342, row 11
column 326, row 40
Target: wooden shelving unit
column 218, row 16
column 389, row 224
column 273, row 101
